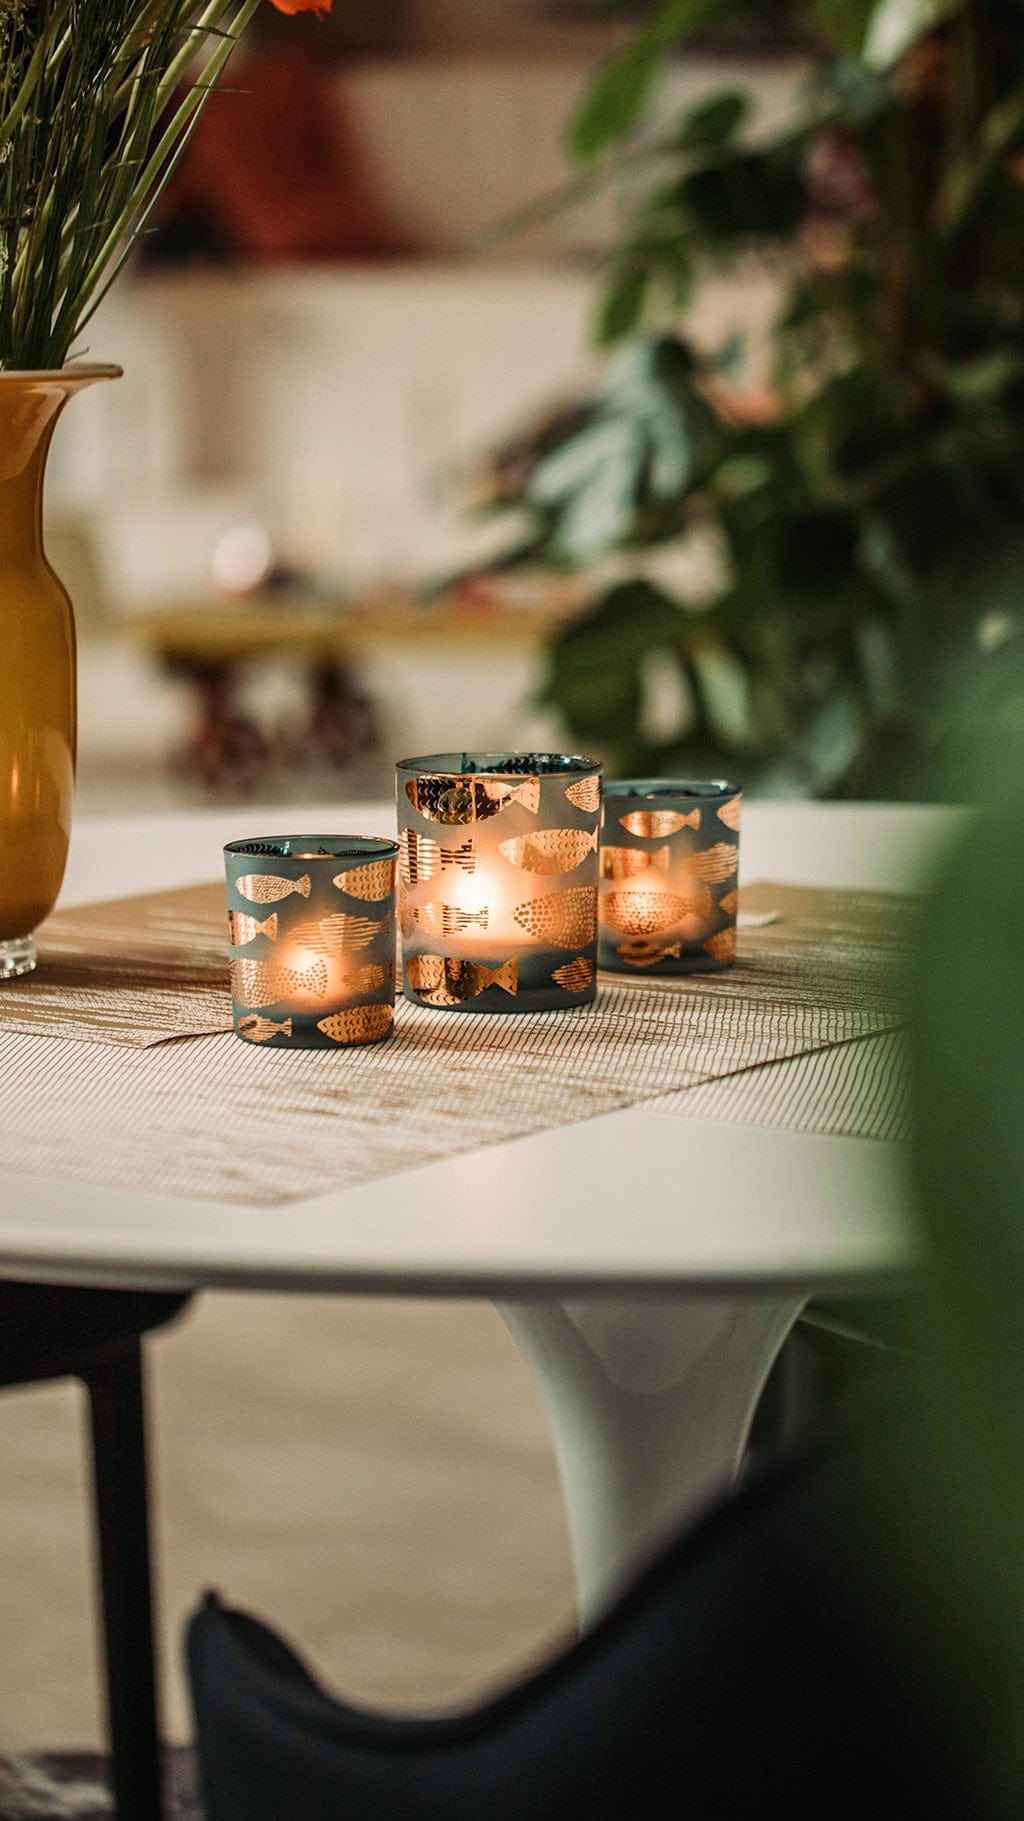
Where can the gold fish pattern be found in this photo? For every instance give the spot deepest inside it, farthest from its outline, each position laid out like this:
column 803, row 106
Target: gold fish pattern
column 568, row 918
column 730, row 813
column 469, row 799
column 445, row 980
column 641, row 954
column 339, row 934
column 243, row 928
column 585, row 794
column 722, row 947
column 365, row 979
column 371, row 882
column 359, row 1024
column 575, row 976
column 423, row 857
column 627, row 862
column 715, row 864
column 640, row 913
column 260, row 1030
column 550, row 850
column 270, row 888
column 655, row 824
column 258, row 983
column 729, row 904
column 445, row 919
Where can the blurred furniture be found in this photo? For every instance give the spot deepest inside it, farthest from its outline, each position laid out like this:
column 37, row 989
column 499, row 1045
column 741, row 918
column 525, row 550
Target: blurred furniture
column 95, row 1335
column 272, row 173
column 762, row 1665
column 211, row 647
column 649, row 1272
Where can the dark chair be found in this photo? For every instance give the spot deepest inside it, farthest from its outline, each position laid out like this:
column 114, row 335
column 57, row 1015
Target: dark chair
column 95, row 1335
column 758, row 1668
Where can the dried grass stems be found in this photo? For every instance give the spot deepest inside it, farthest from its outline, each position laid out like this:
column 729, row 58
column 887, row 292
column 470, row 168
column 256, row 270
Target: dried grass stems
column 98, row 99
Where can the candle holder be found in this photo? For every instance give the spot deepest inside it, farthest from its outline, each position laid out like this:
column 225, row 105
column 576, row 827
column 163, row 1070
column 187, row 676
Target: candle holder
column 311, row 924
column 669, row 875
column 498, row 869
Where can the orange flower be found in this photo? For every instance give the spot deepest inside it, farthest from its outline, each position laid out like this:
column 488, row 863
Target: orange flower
column 302, row 6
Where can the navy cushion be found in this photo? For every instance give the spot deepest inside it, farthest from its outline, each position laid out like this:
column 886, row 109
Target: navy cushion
column 758, row 1668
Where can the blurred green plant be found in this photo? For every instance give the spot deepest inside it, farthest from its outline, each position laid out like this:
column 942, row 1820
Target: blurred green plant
column 967, row 1156
column 859, row 515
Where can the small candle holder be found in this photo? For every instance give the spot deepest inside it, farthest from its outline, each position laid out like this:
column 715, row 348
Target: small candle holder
column 498, row 870
column 669, row 875
column 311, row 926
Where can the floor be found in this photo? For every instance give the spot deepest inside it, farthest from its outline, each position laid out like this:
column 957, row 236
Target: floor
column 373, row 1477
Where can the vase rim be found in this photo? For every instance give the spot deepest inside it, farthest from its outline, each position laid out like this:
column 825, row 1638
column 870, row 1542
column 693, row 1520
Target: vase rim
column 86, row 371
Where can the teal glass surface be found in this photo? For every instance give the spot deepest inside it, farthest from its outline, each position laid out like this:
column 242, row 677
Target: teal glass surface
column 311, row 930
column 669, row 875
column 498, row 880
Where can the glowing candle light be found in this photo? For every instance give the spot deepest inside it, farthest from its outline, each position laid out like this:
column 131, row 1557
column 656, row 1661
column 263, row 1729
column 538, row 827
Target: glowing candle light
column 311, row 927
column 669, row 875
column 498, row 871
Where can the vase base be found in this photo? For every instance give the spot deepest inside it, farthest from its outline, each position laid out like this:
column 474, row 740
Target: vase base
column 18, row 956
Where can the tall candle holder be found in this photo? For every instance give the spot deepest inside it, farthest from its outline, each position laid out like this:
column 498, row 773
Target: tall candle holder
column 498, row 876
column 311, row 925
column 669, row 875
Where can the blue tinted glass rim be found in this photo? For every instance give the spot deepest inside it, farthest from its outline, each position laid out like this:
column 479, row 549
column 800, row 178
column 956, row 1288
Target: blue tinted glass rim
column 498, row 765
column 314, row 847
column 701, row 790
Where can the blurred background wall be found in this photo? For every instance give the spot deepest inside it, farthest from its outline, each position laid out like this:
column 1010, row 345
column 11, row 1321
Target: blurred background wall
column 320, row 342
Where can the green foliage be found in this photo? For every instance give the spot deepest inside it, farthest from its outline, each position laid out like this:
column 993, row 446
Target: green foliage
column 97, row 100
column 968, row 1157
column 862, row 498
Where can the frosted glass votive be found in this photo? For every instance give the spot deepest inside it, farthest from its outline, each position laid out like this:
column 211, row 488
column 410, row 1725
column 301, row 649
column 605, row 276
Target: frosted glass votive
column 311, row 927
column 669, row 875
column 498, row 875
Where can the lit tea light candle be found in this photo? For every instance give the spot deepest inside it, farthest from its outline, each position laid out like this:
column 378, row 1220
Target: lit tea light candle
column 311, row 929
column 498, row 875
column 669, row 875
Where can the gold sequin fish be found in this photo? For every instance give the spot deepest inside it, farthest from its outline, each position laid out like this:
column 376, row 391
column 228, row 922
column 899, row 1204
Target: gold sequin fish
column 567, row 918
column 722, row 947
column 469, row 799
column 641, row 954
column 447, row 919
column 371, row 883
column 550, row 850
column 627, row 862
column 360, row 1024
column 730, row 812
column 576, row 975
column 714, row 864
column 260, row 1030
column 257, row 983
column 243, row 928
column 585, row 794
column 640, row 913
column 339, row 934
column 269, row 888
column 445, row 980
column 423, row 857
column 655, row 824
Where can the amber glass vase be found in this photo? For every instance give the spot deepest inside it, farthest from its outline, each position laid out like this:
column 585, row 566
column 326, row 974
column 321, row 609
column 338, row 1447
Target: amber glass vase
column 37, row 667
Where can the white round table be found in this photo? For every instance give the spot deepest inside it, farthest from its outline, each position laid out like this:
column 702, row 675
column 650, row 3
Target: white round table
column 648, row 1270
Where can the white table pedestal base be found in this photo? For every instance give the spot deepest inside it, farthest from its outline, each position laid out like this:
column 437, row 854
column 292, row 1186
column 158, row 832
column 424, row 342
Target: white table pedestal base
column 650, row 1402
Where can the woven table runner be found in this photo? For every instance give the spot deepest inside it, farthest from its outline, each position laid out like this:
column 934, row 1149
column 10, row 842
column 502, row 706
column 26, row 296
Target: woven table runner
column 139, row 971
column 211, row 1118
column 859, row 1089
column 134, row 970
